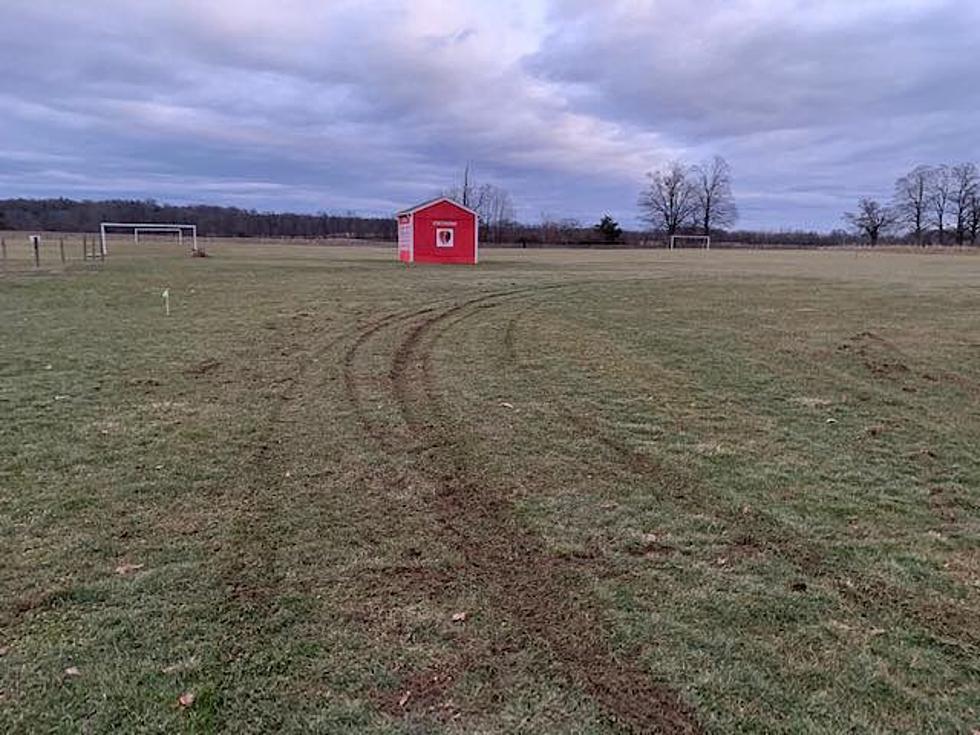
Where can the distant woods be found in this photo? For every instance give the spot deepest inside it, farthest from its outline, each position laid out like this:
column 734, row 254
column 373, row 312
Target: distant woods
column 66, row 215
column 929, row 205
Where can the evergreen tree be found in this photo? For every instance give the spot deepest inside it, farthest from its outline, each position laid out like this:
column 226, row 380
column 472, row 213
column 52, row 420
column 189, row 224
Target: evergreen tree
column 609, row 229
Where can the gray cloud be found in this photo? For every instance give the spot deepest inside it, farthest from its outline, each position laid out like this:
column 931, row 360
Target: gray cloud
column 310, row 105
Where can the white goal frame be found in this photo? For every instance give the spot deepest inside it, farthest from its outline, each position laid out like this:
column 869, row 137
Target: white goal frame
column 175, row 230
column 138, row 227
column 706, row 239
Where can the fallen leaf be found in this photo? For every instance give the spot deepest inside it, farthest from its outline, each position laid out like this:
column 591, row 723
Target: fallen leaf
column 72, row 671
column 186, row 699
column 459, row 617
column 506, row 405
column 127, row 568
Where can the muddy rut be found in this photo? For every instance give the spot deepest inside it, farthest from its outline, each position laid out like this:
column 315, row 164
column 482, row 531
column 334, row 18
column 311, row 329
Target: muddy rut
column 543, row 596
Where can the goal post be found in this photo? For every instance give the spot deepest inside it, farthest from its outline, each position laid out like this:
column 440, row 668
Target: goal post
column 705, row 240
column 138, row 227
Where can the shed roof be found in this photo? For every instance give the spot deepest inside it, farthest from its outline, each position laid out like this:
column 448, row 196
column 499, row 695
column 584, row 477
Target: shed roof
column 430, row 202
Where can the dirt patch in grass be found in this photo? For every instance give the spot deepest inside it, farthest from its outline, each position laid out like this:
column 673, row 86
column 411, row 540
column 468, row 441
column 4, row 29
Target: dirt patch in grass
column 203, row 368
column 425, row 694
column 950, row 621
column 963, row 565
column 879, row 356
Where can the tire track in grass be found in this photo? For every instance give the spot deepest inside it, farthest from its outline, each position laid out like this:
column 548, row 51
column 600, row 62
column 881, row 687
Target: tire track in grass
column 349, row 372
column 539, row 592
column 354, row 391
column 681, row 487
column 637, row 462
column 246, row 559
column 263, row 471
column 753, row 532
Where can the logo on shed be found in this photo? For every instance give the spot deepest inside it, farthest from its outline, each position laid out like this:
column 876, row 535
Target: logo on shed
column 444, row 237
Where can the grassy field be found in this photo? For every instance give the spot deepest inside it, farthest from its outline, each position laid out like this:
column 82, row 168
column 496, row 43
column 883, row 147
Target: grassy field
column 584, row 492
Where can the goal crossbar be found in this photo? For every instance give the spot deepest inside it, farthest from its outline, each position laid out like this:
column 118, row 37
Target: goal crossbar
column 138, row 227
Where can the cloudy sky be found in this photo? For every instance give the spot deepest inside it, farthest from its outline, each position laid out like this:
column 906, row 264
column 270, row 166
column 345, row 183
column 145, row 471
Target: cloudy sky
column 334, row 105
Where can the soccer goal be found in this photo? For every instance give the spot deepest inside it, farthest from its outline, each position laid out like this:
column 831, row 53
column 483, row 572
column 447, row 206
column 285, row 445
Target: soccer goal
column 158, row 231
column 701, row 241
column 138, row 227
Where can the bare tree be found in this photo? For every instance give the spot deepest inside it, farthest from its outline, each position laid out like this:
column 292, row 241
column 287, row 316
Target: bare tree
column 492, row 203
column 495, row 208
column 912, row 200
column 465, row 193
column 555, row 230
column 940, row 194
column 973, row 218
column 712, row 183
column 670, row 199
column 871, row 220
column 962, row 192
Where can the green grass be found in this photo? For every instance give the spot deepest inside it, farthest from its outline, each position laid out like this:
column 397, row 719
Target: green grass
column 722, row 492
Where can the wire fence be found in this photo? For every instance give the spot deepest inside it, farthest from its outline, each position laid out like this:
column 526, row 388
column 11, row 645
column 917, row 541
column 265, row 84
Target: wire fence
column 23, row 252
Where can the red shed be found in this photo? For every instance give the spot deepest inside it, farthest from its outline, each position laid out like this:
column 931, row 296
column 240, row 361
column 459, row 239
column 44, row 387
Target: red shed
column 438, row 231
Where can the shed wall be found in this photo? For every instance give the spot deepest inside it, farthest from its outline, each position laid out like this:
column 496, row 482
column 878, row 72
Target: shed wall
column 444, row 216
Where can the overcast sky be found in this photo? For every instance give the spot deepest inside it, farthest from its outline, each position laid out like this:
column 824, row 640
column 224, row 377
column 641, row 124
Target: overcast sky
column 321, row 105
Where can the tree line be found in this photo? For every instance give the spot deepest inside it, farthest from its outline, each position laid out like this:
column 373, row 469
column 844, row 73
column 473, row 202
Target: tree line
column 66, row 215
column 929, row 205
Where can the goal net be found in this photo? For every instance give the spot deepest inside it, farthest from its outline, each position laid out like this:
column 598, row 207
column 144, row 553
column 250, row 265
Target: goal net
column 180, row 230
column 690, row 241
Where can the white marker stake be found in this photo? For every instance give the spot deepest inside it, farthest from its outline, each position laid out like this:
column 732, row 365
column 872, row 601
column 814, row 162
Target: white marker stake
column 166, row 300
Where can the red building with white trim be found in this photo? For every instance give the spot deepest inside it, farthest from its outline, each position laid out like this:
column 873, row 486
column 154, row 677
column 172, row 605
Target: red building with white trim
column 438, row 231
